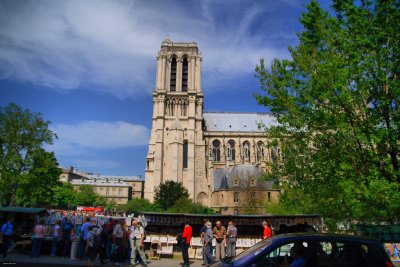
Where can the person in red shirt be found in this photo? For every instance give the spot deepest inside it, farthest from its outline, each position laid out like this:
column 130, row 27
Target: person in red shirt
column 186, row 236
column 267, row 231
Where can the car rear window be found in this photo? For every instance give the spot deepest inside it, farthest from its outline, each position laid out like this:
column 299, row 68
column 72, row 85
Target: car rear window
column 345, row 254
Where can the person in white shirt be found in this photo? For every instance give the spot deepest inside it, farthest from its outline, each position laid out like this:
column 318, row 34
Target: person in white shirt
column 136, row 239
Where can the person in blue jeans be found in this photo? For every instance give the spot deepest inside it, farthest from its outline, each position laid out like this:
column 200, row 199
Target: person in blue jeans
column 56, row 238
column 6, row 231
column 83, row 238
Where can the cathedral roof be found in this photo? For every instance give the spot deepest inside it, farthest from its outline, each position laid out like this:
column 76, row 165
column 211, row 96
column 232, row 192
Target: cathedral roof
column 223, row 179
column 238, row 122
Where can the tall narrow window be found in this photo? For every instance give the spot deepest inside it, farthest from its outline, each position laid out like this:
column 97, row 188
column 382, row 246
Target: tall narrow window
column 275, row 153
column 231, row 150
column 236, row 197
column 173, row 75
column 246, row 150
column 216, row 150
column 260, row 150
column 185, row 154
column 184, row 75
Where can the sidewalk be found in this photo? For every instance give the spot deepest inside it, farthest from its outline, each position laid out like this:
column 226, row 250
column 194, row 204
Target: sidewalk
column 45, row 260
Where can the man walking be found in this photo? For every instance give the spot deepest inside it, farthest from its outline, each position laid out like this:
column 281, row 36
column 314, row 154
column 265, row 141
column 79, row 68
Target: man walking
column 219, row 233
column 186, row 235
column 267, row 231
column 231, row 236
column 136, row 238
column 6, row 231
column 118, row 234
column 67, row 232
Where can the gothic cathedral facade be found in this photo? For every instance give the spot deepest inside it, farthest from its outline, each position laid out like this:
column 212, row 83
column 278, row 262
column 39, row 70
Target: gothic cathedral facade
column 218, row 157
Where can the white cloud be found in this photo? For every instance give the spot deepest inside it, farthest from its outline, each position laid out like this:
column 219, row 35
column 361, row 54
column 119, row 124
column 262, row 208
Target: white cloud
column 75, row 139
column 111, row 46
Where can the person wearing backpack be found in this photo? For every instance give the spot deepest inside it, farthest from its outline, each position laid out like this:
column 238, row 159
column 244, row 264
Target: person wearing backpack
column 231, row 237
column 6, row 231
column 91, row 246
column 67, row 232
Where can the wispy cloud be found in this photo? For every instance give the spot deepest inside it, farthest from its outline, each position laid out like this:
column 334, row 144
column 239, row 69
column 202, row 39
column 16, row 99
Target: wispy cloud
column 111, row 46
column 76, row 139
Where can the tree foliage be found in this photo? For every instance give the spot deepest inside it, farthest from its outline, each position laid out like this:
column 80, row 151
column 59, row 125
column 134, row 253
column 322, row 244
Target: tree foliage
column 186, row 205
column 337, row 103
column 168, row 193
column 22, row 158
column 140, row 204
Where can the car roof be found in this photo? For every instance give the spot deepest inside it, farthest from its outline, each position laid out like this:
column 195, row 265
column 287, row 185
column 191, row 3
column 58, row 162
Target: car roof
column 307, row 235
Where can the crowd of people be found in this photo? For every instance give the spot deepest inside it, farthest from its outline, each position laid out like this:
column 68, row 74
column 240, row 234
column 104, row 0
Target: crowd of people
column 117, row 243
column 225, row 240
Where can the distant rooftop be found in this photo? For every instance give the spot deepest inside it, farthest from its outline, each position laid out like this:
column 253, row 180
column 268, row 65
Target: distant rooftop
column 116, row 177
column 238, row 122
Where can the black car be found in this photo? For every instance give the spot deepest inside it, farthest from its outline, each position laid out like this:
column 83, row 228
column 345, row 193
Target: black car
column 312, row 250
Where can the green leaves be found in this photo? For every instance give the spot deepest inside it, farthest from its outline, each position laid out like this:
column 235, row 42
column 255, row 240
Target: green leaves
column 168, row 193
column 26, row 170
column 337, row 102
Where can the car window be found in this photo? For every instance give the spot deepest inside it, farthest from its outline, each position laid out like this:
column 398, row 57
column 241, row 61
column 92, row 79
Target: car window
column 287, row 255
column 343, row 254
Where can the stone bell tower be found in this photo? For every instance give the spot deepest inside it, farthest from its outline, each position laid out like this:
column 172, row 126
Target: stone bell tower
column 176, row 146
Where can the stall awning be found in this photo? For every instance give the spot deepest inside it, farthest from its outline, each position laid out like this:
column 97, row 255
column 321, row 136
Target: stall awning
column 21, row 210
column 385, row 233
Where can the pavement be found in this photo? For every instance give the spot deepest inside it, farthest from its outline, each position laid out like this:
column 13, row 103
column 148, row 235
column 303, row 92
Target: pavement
column 24, row 260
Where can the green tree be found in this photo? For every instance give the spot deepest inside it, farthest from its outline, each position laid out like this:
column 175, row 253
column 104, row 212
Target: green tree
column 85, row 196
column 168, row 193
column 37, row 187
column 22, row 135
column 337, row 104
column 64, row 196
column 186, row 205
column 140, row 204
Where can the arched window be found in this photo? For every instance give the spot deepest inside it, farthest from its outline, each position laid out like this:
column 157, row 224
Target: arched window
column 246, row 151
column 185, row 75
column 231, row 150
column 216, row 152
column 274, row 153
column 172, row 83
column 185, row 154
column 260, row 150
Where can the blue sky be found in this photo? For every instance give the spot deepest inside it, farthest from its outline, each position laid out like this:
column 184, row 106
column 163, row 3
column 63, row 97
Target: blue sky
column 89, row 66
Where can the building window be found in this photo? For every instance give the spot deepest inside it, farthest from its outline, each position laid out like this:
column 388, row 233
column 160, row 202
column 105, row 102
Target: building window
column 216, row 152
column 236, row 197
column 260, row 150
column 274, row 153
column 246, row 150
column 236, row 181
column 231, row 150
column 173, row 75
column 185, row 75
column 185, row 154
column 269, row 197
column 120, row 192
column 107, row 192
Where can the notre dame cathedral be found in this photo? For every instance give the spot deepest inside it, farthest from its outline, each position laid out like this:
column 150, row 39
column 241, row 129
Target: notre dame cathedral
column 218, row 157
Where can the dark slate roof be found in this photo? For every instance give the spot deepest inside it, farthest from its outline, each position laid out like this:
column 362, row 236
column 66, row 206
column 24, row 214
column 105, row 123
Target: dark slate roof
column 224, row 180
column 21, row 210
column 238, row 122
